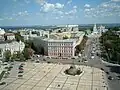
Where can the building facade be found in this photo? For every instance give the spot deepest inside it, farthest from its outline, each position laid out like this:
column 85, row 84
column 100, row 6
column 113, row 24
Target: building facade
column 58, row 47
column 9, row 36
column 13, row 47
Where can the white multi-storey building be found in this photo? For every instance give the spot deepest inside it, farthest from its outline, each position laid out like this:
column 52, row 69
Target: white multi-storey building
column 14, row 47
column 10, row 36
column 31, row 33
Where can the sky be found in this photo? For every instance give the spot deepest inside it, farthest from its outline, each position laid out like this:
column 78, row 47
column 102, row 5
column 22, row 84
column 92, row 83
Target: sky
column 57, row 12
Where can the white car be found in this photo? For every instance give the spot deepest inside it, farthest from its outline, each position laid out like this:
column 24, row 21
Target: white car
column 92, row 57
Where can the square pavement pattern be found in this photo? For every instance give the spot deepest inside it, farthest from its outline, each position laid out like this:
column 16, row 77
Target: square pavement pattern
column 43, row 76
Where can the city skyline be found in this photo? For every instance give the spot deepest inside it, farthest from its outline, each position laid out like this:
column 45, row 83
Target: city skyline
column 54, row 12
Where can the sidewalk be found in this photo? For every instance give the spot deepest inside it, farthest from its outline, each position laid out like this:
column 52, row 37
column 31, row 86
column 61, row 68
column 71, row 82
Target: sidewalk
column 110, row 63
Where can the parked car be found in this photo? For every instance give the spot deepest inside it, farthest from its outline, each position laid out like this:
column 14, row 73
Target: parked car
column 92, row 57
column 11, row 66
column 110, row 78
column 102, row 69
column 107, row 72
column 20, row 75
column 21, row 71
column 44, row 60
column 37, row 61
column 21, row 68
column 72, row 58
column 22, row 63
column 2, row 83
column 5, row 63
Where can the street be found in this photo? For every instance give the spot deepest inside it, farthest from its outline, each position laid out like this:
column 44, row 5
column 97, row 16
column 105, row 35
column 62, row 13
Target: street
column 114, row 70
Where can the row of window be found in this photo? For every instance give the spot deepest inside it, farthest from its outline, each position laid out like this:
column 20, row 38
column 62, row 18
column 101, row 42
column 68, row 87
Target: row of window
column 63, row 50
column 57, row 54
column 60, row 51
column 60, row 44
column 57, row 48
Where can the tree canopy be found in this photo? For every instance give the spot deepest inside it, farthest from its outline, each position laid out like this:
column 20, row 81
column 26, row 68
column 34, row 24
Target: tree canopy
column 18, row 37
column 7, row 55
column 111, row 43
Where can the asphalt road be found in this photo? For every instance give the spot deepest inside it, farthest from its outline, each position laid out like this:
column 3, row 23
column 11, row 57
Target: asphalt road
column 113, row 70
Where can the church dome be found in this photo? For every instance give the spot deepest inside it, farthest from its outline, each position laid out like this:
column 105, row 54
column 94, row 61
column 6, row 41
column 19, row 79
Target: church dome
column 2, row 31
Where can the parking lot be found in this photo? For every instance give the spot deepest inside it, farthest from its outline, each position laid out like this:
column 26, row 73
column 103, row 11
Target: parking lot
column 43, row 76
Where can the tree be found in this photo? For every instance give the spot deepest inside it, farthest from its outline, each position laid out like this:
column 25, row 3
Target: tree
column 46, row 36
column 18, row 37
column 22, row 58
column 65, row 37
column 28, row 52
column 14, row 57
column 42, row 51
column 7, row 55
column 111, row 43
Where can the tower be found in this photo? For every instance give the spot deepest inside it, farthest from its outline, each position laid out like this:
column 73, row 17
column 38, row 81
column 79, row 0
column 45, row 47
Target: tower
column 95, row 29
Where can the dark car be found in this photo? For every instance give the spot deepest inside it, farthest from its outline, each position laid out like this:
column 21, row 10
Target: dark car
column 20, row 75
column 37, row 61
column 44, row 60
column 2, row 83
column 20, row 68
column 11, row 66
column 6, row 67
column 110, row 78
column 107, row 72
column 102, row 69
column 22, row 63
column 21, row 71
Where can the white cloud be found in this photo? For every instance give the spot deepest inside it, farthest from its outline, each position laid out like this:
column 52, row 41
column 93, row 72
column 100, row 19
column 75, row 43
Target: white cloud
column 61, row 16
column 51, row 7
column 87, row 10
column 48, row 7
column 115, row 0
column 27, row 1
column 71, row 12
column 74, row 7
column 1, row 19
column 59, row 12
column 87, row 6
column 59, row 6
column 14, row 0
column 25, row 13
column 69, row 2
column 56, row 17
column 10, row 18
column 104, row 9
column 41, row 2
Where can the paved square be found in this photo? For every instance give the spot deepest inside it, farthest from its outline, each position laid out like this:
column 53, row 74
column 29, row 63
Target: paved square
column 43, row 76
